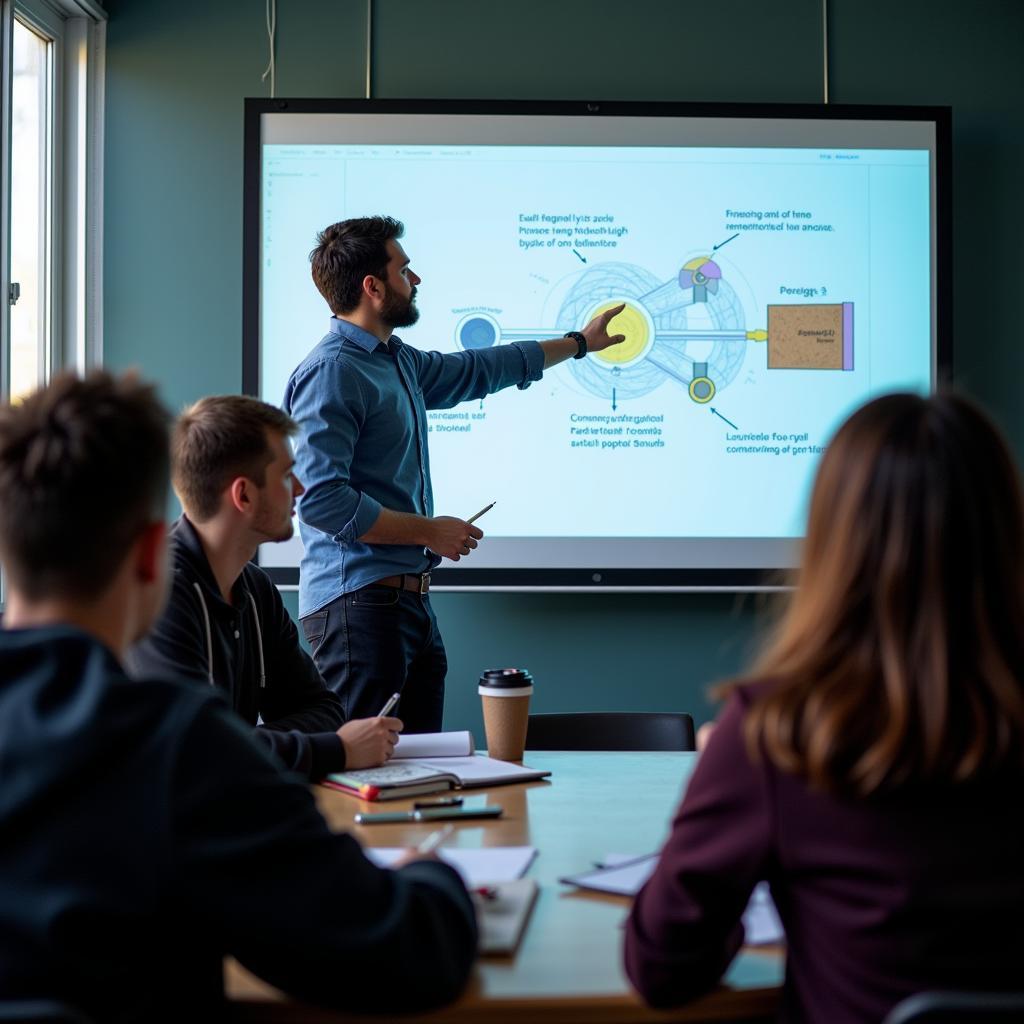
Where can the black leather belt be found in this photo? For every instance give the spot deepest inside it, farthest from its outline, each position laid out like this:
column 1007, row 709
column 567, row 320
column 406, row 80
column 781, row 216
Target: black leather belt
column 418, row 584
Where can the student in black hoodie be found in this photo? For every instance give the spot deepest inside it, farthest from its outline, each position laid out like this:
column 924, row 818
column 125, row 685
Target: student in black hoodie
column 233, row 470
column 143, row 834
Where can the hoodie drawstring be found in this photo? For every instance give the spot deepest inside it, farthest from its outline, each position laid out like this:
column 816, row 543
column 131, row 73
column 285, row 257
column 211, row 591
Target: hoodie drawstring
column 209, row 635
column 259, row 639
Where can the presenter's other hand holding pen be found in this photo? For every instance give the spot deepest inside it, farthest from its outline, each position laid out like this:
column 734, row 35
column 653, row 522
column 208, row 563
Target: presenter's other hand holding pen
column 452, row 538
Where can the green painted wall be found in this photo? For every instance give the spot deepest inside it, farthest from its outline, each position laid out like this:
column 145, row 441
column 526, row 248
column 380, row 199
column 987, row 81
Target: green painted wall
column 177, row 73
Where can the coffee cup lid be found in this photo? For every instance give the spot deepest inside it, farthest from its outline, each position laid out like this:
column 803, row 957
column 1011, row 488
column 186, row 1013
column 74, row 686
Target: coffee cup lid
column 505, row 678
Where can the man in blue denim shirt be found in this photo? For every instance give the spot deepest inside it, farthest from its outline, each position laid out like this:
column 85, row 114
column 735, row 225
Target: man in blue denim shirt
column 367, row 516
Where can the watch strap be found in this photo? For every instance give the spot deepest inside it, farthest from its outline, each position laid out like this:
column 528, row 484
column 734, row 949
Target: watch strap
column 581, row 343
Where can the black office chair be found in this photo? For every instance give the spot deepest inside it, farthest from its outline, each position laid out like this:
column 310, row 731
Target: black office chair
column 611, row 730
column 958, row 1008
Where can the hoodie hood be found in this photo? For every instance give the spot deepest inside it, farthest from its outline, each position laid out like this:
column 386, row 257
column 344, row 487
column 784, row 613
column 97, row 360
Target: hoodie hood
column 56, row 684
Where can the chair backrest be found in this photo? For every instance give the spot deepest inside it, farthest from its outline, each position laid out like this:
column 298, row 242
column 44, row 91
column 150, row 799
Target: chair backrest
column 611, row 730
column 958, row 1008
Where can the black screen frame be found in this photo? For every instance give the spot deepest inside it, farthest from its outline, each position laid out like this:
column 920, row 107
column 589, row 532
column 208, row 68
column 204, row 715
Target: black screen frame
column 595, row 578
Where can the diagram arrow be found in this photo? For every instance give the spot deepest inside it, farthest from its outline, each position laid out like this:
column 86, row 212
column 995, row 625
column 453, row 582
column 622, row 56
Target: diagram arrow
column 584, row 258
column 614, row 406
column 721, row 417
column 715, row 248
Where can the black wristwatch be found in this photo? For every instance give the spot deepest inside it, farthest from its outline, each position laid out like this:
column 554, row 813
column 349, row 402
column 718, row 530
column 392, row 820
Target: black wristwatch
column 581, row 343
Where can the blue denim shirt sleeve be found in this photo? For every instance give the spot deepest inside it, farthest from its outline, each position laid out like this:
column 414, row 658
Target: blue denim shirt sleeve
column 329, row 408
column 448, row 379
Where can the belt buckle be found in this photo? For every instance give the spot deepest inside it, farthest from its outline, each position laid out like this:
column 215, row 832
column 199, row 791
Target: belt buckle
column 424, row 583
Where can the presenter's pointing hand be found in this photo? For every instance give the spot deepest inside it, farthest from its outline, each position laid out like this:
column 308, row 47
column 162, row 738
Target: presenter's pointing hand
column 452, row 538
column 596, row 332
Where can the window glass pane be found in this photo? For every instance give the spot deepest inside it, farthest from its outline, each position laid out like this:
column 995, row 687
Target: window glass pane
column 30, row 207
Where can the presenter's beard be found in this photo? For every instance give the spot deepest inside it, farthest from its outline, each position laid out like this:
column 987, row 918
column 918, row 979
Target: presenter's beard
column 398, row 312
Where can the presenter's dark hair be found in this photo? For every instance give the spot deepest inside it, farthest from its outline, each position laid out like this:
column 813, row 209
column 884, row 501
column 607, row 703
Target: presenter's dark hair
column 83, row 470
column 218, row 439
column 349, row 251
column 900, row 661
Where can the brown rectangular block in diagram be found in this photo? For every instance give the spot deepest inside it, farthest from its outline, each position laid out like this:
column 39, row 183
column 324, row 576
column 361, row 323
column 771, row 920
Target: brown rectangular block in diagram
column 810, row 336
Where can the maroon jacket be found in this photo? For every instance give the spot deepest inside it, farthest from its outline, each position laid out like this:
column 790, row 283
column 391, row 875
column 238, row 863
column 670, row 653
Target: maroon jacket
column 880, row 898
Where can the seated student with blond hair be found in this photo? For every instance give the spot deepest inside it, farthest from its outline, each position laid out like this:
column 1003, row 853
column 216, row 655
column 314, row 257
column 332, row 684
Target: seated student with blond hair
column 144, row 835
column 870, row 766
column 233, row 470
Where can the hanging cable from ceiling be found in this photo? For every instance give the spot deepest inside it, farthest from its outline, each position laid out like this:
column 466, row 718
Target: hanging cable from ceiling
column 271, row 71
column 369, row 49
column 824, row 50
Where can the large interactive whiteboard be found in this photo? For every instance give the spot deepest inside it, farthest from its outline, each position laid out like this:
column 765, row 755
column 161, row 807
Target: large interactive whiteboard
column 779, row 265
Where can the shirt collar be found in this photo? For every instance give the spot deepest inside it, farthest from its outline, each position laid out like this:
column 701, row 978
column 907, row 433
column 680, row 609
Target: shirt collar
column 350, row 332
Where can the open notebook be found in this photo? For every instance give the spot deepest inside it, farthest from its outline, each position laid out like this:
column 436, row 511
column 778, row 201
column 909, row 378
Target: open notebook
column 430, row 763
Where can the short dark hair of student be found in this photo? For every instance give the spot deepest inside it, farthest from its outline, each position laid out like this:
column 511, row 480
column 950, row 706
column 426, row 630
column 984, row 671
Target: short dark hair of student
column 217, row 440
column 900, row 661
column 346, row 253
column 83, row 470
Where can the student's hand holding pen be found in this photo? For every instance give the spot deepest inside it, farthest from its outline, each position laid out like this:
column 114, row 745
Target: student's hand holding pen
column 427, row 850
column 369, row 742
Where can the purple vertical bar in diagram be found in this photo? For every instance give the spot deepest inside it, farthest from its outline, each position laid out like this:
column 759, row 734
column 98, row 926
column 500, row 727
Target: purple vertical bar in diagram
column 847, row 335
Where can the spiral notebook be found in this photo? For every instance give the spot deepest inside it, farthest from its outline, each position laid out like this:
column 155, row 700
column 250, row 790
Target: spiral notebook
column 405, row 776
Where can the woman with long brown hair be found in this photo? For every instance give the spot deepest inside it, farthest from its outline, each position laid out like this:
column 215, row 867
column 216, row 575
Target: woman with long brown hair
column 870, row 766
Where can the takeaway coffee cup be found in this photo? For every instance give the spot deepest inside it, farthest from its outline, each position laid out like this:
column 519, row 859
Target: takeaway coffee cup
column 505, row 694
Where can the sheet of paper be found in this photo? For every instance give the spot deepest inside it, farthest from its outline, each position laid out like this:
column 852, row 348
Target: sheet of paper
column 624, row 878
column 478, row 866
column 625, row 874
column 761, row 919
column 480, row 770
column 435, row 744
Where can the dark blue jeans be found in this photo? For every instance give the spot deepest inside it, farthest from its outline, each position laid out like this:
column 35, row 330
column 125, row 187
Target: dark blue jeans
column 378, row 641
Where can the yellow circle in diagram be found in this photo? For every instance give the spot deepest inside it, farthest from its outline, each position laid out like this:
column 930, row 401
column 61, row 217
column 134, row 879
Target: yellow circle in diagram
column 635, row 323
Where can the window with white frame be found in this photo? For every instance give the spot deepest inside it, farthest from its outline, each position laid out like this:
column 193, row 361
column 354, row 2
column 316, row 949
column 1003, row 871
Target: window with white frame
column 31, row 343
column 51, row 190
column 50, row 227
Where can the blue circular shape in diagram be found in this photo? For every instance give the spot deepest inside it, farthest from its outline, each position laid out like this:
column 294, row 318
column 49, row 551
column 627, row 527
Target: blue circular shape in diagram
column 477, row 332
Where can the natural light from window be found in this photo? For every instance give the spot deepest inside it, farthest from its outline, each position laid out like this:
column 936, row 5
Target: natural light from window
column 31, row 155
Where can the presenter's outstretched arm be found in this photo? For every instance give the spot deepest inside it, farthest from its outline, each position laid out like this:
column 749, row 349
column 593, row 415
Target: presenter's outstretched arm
column 596, row 332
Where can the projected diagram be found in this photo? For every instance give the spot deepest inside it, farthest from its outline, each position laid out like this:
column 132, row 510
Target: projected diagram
column 690, row 329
